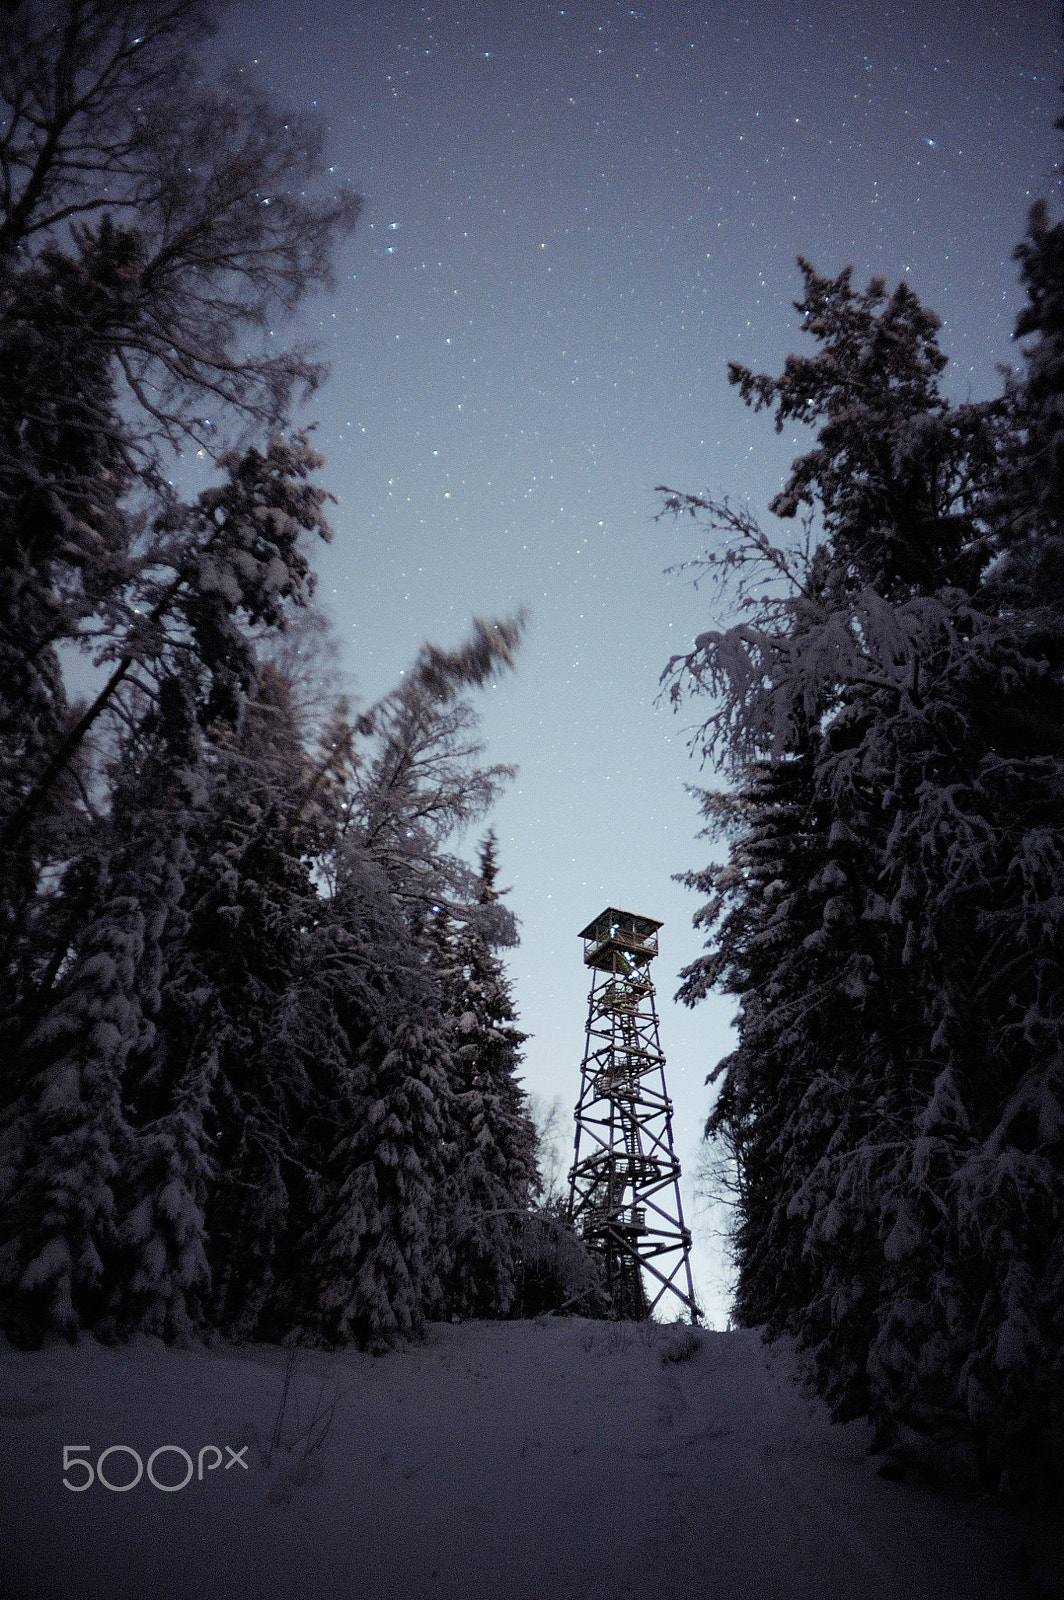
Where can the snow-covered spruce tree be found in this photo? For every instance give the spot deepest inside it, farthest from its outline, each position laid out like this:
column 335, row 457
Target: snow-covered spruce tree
column 1012, row 1185
column 66, row 1141
column 760, row 911
column 84, row 1023
column 372, row 1273
column 369, row 1275
column 243, row 1035
column 65, row 542
column 183, row 700
column 491, row 1168
column 155, row 1269
column 218, row 1094
column 882, row 1078
column 72, row 1148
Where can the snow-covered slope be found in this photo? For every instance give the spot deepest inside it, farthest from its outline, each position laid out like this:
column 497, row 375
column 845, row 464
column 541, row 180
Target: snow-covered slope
column 546, row 1460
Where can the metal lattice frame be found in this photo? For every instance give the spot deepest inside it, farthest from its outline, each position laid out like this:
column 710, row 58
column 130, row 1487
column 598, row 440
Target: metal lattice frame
column 624, row 1189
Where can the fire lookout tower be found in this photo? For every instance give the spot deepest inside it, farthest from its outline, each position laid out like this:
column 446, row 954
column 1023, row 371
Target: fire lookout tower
column 624, row 1187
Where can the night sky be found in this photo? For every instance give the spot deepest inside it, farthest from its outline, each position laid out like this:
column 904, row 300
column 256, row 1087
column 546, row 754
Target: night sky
column 575, row 214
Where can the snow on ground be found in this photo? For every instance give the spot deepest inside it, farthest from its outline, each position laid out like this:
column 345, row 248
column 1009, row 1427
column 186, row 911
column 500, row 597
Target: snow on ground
column 557, row 1459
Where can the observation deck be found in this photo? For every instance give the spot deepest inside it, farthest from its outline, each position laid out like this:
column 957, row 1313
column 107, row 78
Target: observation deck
column 616, row 940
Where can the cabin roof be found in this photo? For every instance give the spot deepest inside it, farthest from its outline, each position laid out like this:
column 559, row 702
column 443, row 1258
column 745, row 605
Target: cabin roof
column 642, row 927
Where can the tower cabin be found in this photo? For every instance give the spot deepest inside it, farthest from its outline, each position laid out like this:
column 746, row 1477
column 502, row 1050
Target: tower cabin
column 619, row 941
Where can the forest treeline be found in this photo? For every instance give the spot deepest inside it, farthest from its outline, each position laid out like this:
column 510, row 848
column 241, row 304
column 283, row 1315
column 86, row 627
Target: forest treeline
column 888, row 710
column 258, row 1056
